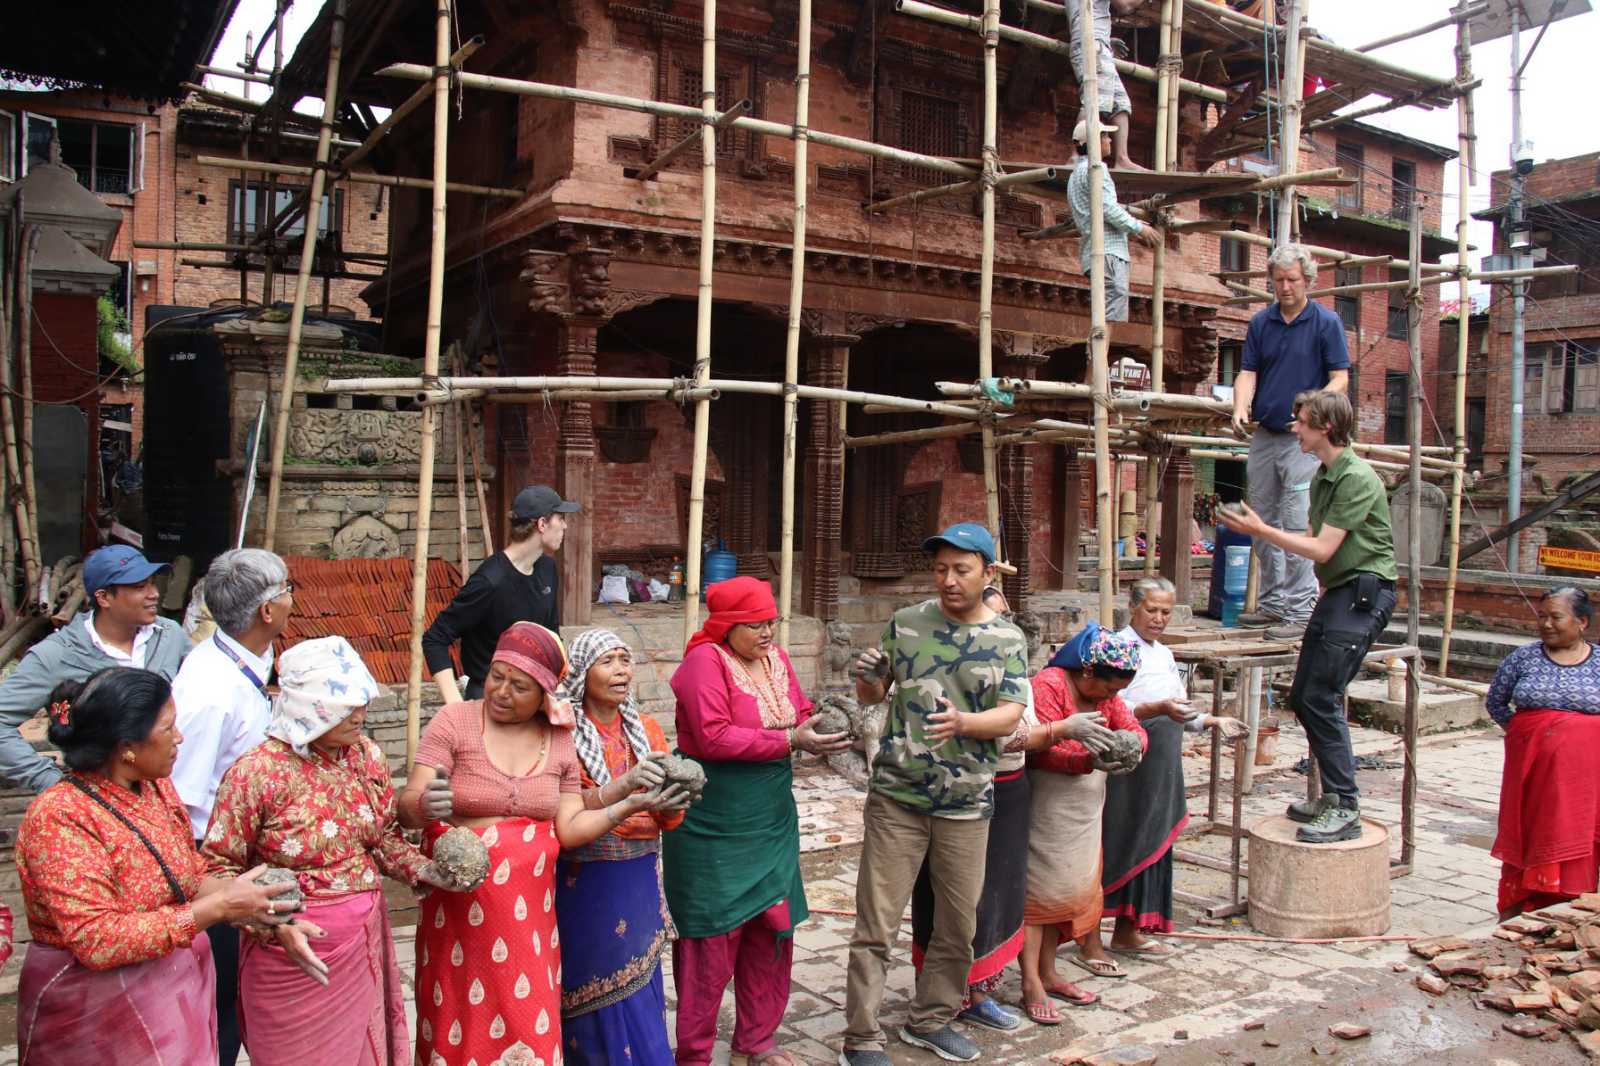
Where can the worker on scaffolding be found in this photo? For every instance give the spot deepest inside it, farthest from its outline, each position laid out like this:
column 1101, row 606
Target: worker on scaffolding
column 1116, row 109
column 1290, row 346
column 1119, row 225
column 1351, row 544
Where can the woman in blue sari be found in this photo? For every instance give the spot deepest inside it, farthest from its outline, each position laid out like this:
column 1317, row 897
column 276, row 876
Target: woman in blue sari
column 610, row 914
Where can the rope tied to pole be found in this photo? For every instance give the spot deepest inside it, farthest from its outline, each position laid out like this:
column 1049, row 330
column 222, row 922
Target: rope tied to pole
column 995, row 394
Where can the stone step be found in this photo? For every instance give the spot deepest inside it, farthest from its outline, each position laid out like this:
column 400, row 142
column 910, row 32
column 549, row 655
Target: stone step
column 1440, row 710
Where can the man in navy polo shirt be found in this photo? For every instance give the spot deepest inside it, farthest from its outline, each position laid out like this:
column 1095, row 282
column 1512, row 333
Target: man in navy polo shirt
column 1291, row 346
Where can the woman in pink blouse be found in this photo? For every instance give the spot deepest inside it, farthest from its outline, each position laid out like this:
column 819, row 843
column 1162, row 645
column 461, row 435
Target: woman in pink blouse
column 732, row 869
column 315, row 798
column 489, row 961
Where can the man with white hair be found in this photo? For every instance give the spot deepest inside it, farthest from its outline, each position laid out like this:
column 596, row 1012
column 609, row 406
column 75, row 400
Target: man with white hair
column 1291, row 346
column 223, row 712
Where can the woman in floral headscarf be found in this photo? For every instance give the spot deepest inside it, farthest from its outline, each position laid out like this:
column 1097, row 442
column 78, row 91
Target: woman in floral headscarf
column 1076, row 700
column 314, row 798
column 612, row 916
column 505, row 766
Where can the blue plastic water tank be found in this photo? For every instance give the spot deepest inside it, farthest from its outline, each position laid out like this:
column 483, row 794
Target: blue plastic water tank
column 721, row 564
column 1236, row 575
column 1225, row 539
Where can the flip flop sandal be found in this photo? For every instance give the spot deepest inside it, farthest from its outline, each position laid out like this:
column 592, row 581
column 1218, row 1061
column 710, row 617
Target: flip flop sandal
column 1152, row 949
column 1100, row 968
column 770, row 1057
column 1042, row 1013
column 1072, row 995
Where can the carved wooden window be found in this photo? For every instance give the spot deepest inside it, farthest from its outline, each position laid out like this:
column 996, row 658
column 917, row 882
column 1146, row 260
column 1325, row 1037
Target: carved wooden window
column 931, row 126
column 927, row 116
column 679, row 82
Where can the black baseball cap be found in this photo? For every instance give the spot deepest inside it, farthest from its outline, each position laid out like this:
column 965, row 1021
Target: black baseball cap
column 536, row 501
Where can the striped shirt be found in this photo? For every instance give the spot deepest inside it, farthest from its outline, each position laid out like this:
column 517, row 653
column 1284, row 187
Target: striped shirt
column 1118, row 222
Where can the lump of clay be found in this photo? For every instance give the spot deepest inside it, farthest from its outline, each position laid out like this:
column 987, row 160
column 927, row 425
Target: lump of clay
column 1124, row 755
column 277, row 875
column 686, row 772
column 461, row 856
column 832, row 720
column 852, row 766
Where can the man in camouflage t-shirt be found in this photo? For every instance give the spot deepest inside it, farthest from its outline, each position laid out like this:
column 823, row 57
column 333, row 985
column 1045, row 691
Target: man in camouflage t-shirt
column 958, row 676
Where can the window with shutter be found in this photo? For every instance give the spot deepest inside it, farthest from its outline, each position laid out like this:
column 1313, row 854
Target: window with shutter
column 1533, row 378
column 1399, row 319
column 1348, row 305
column 680, row 83
column 1583, row 369
column 931, row 126
column 1396, row 391
column 1349, row 158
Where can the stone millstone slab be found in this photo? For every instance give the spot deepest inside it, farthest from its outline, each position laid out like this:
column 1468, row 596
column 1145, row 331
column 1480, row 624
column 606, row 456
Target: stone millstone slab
column 461, row 855
column 277, row 875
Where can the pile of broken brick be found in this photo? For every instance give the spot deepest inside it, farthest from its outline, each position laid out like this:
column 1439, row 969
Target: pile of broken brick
column 1542, row 968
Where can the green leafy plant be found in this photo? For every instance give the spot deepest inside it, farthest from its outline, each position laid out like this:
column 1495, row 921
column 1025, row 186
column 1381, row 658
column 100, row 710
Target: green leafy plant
column 112, row 328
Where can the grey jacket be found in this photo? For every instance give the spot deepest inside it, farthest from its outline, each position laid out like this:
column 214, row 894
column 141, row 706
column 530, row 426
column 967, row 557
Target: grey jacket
column 69, row 654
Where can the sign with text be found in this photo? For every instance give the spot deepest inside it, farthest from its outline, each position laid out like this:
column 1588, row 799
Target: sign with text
column 1570, row 559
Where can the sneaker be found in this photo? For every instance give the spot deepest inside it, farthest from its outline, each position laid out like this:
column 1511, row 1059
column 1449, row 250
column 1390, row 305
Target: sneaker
column 864, row 1058
column 1286, row 631
column 944, row 1042
column 1256, row 620
column 991, row 1015
column 1336, row 822
column 1307, row 810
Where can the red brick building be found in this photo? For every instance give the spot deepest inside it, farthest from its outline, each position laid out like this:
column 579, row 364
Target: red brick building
column 595, row 272
column 1561, row 398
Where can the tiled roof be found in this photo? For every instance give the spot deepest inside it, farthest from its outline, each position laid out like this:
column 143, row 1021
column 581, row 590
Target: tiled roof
column 368, row 602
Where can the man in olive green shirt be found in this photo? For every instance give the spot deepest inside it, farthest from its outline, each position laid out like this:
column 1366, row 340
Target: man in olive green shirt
column 1351, row 545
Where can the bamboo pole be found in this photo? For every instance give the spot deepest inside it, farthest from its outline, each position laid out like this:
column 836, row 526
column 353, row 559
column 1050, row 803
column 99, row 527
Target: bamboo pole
column 1158, row 281
column 1100, row 373
column 1016, row 177
column 297, row 315
column 702, row 326
column 459, row 409
column 791, row 340
column 656, row 165
column 1457, row 17
column 430, row 364
column 1464, row 141
column 1290, row 92
column 389, row 180
column 605, row 395
column 990, row 27
column 417, row 72
column 1048, row 44
column 8, row 597
column 19, row 504
column 1174, row 47
column 487, row 529
column 30, row 490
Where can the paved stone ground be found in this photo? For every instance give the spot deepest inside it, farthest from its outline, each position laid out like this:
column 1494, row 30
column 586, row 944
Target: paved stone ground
column 1209, row 989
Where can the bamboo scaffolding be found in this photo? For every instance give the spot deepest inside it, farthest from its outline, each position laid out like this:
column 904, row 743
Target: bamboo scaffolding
column 655, row 166
column 236, row 75
column 459, row 410
column 21, row 505
column 390, row 180
column 1408, row 793
column 1291, row 89
column 1465, row 139
column 416, row 72
column 487, row 527
column 430, row 358
column 676, row 395
column 702, row 325
column 791, row 339
column 297, row 315
column 1048, row 44
column 1158, row 273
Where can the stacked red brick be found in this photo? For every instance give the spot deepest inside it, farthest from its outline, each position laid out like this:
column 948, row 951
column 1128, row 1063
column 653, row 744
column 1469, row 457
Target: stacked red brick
column 368, row 602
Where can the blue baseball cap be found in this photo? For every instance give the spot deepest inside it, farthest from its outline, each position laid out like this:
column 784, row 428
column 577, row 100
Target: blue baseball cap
column 117, row 564
column 964, row 536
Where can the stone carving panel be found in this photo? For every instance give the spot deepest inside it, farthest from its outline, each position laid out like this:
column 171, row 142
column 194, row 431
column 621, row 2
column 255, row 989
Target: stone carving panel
column 365, row 538
column 323, row 435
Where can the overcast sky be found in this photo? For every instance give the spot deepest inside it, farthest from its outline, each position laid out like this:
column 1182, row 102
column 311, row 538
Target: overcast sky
column 1558, row 100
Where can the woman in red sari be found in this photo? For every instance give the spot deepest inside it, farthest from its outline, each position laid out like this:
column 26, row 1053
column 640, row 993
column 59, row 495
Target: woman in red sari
column 1547, row 698
column 116, row 893
column 315, row 798
column 1079, row 691
column 489, row 961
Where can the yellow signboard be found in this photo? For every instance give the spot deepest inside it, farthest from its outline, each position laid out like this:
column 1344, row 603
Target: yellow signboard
column 1570, row 559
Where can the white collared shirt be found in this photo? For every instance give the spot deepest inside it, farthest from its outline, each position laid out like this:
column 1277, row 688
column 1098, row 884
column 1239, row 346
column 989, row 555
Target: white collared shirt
column 1158, row 678
column 141, row 641
column 221, row 715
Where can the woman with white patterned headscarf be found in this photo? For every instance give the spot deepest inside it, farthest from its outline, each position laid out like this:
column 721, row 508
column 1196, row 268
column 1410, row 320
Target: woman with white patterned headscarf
column 315, row 798
column 613, row 1005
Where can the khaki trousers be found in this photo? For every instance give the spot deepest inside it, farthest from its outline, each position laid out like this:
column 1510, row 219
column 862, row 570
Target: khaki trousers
column 895, row 843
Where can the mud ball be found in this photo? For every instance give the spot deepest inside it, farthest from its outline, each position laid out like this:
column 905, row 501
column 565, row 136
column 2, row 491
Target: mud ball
column 276, row 875
column 460, row 855
column 832, row 720
column 686, row 772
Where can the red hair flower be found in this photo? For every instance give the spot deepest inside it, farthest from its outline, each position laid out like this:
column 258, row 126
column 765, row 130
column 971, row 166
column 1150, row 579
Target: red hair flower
column 59, row 711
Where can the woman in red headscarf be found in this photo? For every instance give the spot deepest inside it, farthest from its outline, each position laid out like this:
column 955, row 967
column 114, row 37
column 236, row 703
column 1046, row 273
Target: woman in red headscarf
column 488, row 977
column 732, row 869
